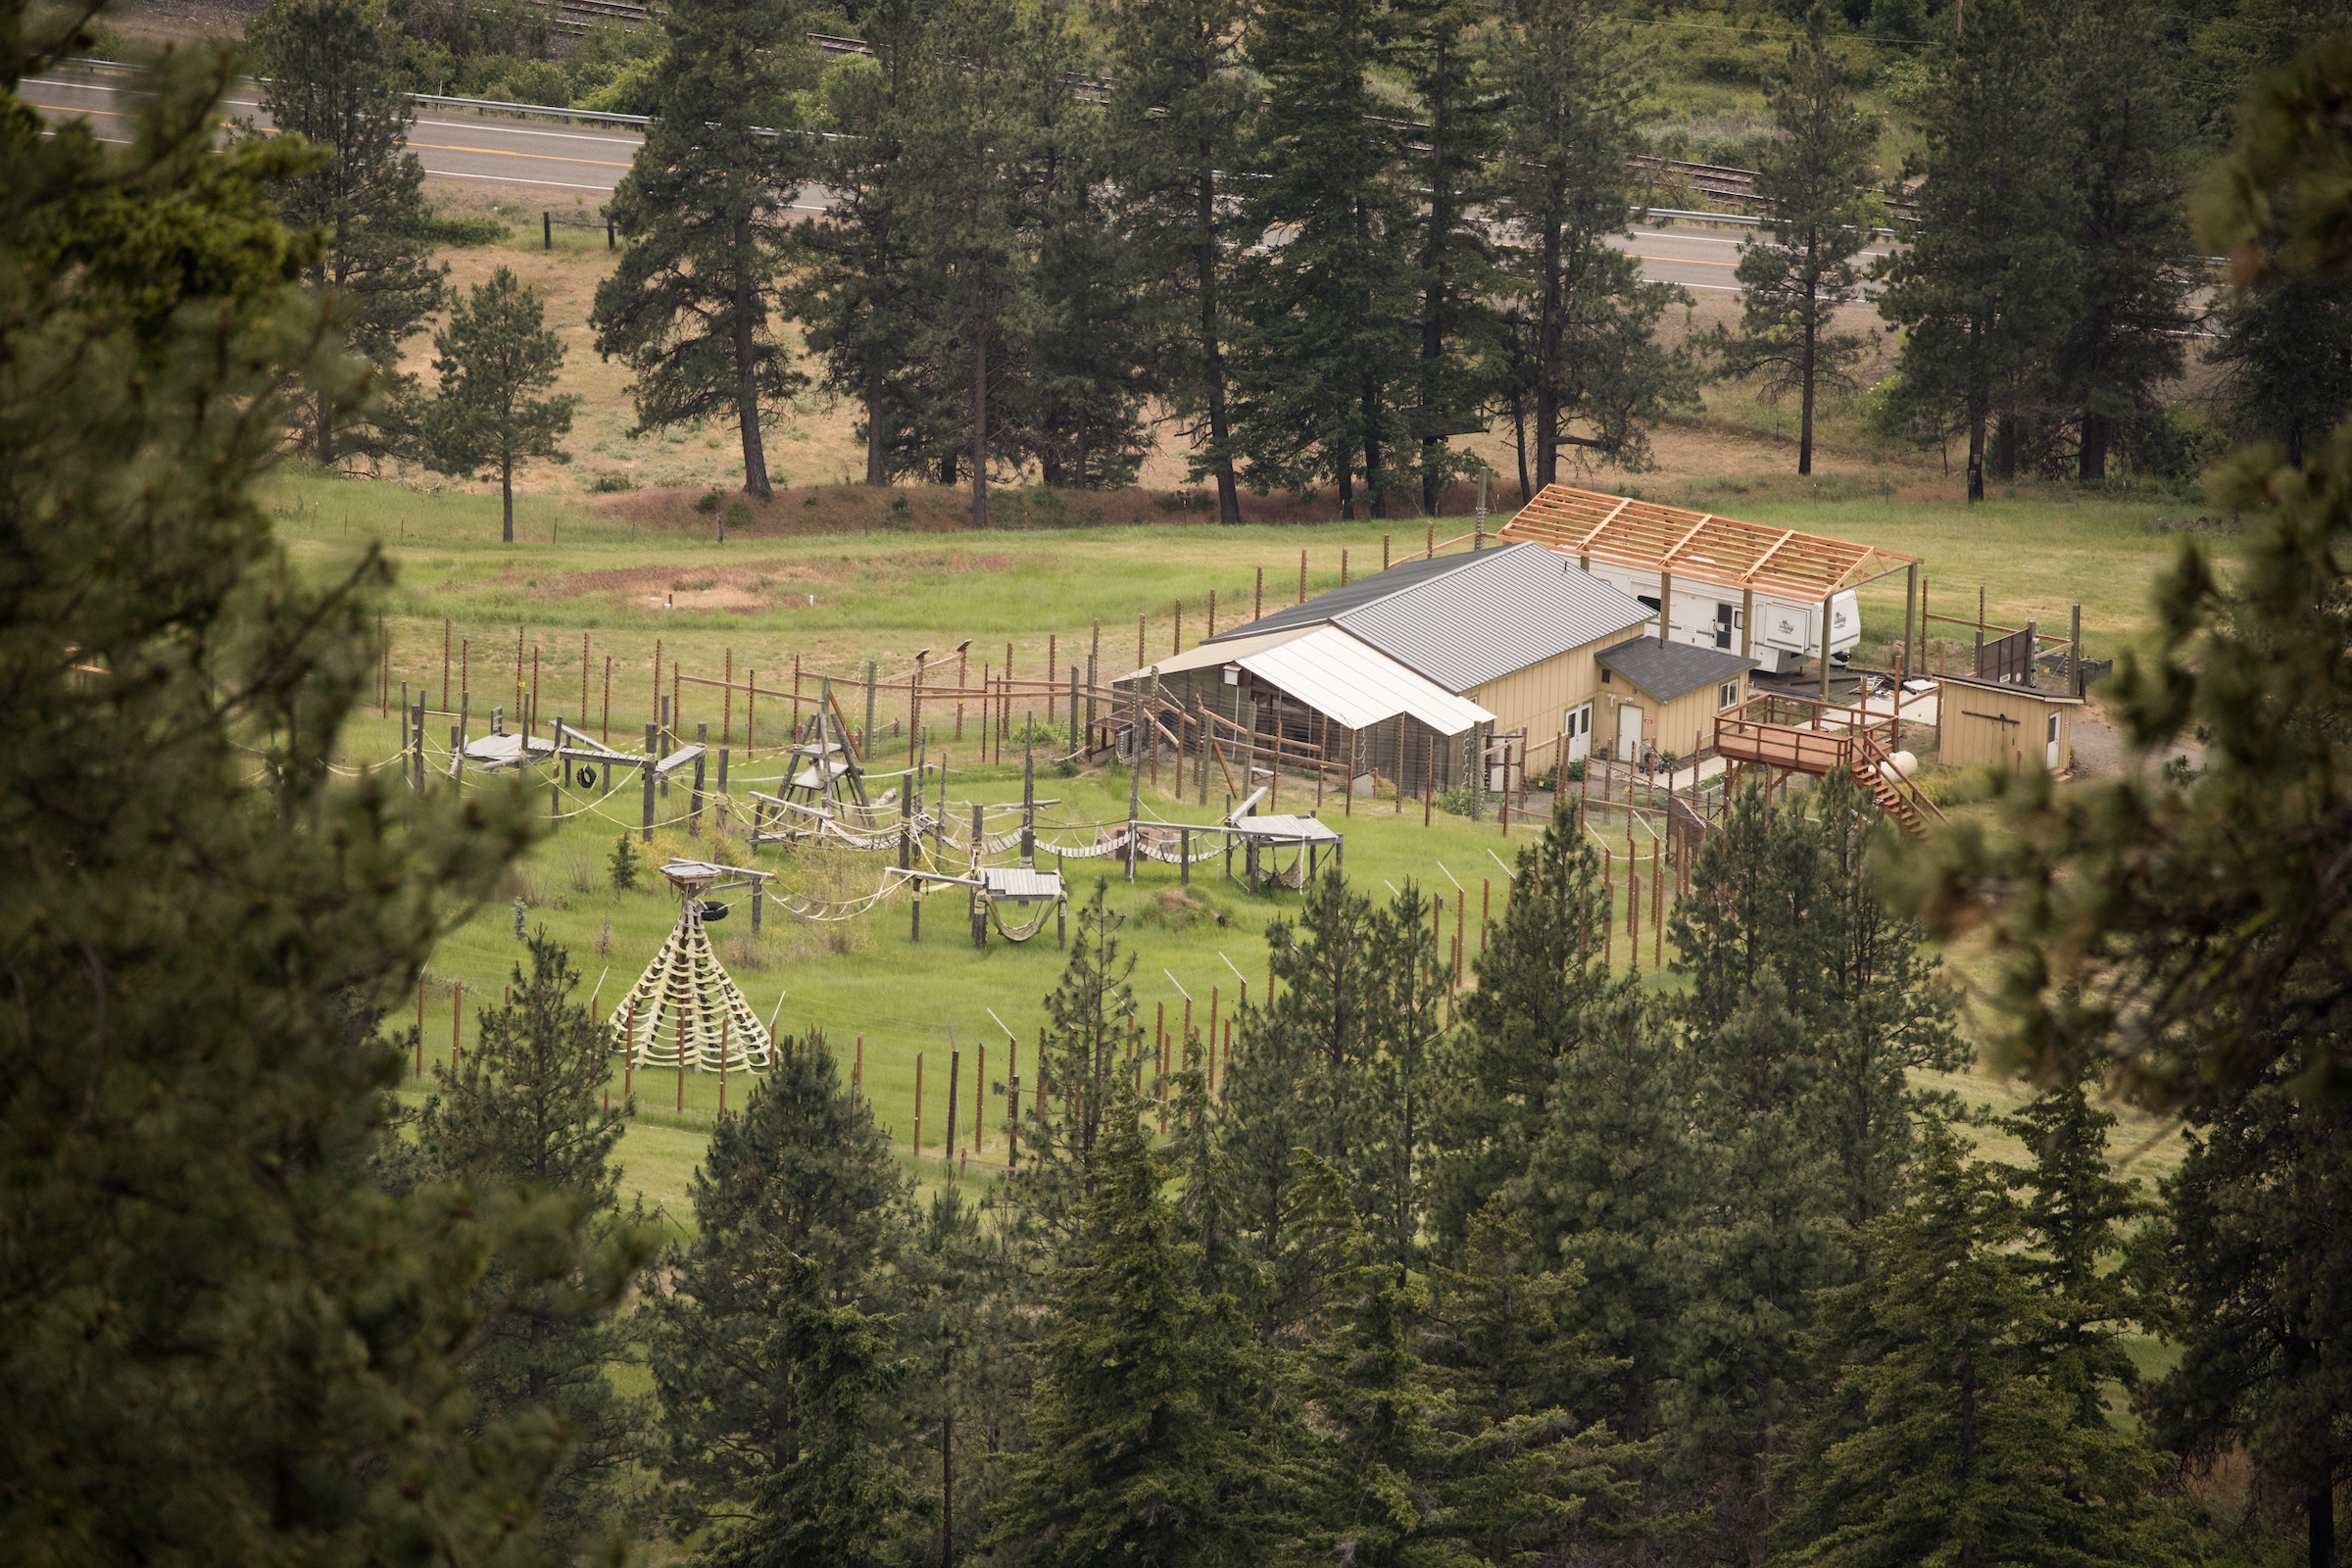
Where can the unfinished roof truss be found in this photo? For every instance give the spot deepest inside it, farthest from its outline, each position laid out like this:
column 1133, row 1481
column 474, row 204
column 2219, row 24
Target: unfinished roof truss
column 1648, row 537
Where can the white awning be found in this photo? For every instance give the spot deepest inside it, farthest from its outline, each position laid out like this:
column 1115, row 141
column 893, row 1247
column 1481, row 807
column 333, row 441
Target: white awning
column 1212, row 655
column 1335, row 673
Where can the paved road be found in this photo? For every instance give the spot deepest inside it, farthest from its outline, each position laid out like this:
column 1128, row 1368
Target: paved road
column 554, row 156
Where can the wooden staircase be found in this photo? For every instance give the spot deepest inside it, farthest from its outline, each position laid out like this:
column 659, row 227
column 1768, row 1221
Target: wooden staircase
column 1903, row 801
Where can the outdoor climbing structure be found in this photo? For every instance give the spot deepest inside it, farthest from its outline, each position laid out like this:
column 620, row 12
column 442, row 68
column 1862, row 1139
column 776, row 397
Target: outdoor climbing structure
column 684, row 1008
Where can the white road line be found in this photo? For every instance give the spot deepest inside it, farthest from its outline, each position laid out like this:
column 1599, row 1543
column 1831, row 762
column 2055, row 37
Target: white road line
column 517, row 131
column 508, row 180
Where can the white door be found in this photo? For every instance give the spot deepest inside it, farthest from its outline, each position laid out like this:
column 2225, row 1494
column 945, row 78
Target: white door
column 2050, row 747
column 1629, row 733
column 1578, row 731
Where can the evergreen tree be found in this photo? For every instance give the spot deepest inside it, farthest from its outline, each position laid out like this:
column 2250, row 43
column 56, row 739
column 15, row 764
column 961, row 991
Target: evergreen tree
column 332, row 78
column 1812, row 179
column 1607, row 1189
column 774, row 1355
column 968, row 140
column 1089, row 1018
column 1299, row 1078
column 1398, row 1472
column 495, row 352
column 1761, row 1238
column 706, row 208
column 1796, row 895
column 1178, row 118
column 1986, row 284
column 1142, row 1448
column 855, row 287
column 1453, row 261
column 2258, row 1253
column 1955, row 1447
column 1590, row 349
column 2191, row 935
column 1330, row 308
column 1543, row 994
column 1399, row 1082
column 1081, row 383
column 221, row 1343
column 521, row 1110
column 2123, row 340
column 2075, row 1214
column 2285, row 361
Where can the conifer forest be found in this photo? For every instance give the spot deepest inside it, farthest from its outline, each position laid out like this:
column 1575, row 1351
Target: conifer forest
column 1701, row 1262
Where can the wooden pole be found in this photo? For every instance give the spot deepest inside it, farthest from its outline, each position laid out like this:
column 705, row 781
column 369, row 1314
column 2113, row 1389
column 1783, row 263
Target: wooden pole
column 420, row 1021
column 457, row 1020
column 980, row 1097
column 918, row 1106
column 947, row 1152
column 1303, row 576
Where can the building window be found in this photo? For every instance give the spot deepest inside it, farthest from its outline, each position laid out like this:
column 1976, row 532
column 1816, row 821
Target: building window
column 1726, row 695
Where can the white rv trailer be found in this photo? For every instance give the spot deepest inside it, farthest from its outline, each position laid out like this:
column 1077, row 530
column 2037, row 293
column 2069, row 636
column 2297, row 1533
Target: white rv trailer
column 1706, row 614
column 1722, row 568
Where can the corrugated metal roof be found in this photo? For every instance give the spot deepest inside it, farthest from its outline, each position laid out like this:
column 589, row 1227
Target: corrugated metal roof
column 1285, row 829
column 1462, row 620
column 1667, row 670
column 1224, row 651
column 1356, row 684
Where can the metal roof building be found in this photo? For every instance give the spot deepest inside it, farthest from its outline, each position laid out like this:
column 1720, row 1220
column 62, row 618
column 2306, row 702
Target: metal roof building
column 1464, row 621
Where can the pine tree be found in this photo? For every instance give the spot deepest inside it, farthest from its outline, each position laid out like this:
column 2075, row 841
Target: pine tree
column 773, row 1354
column 1812, row 181
column 1797, row 895
column 1397, row 1472
column 706, row 208
column 1090, row 1019
column 968, row 137
column 2257, row 1253
column 1080, row 385
column 2191, row 936
column 1141, row 1430
column 1543, row 994
column 1609, row 1186
column 1398, row 1084
column 855, row 287
column 1762, row 1238
column 1299, row 1079
column 2076, row 1215
column 1984, row 286
column 2285, row 363
column 222, row 1344
column 331, row 77
column 1330, row 308
column 521, row 1110
column 1955, row 1447
column 1453, row 261
column 494, row 354
column 2123, row 341
column 1590, row 352
column 1178, row 118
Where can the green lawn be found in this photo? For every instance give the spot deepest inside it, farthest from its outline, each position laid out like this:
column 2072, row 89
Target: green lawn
column 885, row 594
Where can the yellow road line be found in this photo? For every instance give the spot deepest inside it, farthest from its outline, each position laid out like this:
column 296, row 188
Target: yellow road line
column 1679, row 261
column 428, row 146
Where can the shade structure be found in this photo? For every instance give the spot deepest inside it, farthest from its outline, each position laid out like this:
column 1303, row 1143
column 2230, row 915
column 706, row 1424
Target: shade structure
column 1699, row 546
column 685, row 1008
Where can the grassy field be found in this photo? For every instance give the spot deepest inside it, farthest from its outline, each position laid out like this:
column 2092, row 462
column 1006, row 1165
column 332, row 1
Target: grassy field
column 625, row 581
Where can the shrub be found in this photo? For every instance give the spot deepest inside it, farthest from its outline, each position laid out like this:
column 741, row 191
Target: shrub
column 610, row 482
column 708, row 503
column 739, row 515
column 625, row 865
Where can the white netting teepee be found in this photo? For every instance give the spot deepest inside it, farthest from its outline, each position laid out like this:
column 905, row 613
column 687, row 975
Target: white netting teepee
column 685, row 1008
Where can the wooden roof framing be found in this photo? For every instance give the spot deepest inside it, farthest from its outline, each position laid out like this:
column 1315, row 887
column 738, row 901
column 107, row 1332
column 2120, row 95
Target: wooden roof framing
column 1699, row 545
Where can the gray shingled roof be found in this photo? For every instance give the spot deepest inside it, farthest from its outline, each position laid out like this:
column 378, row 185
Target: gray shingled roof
column 1666, row 669
column 1462, row 620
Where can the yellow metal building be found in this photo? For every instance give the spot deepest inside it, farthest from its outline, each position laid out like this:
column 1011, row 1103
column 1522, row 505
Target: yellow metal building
column 2005, row 726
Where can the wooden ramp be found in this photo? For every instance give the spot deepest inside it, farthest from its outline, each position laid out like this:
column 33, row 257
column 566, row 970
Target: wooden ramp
column 1818, row 749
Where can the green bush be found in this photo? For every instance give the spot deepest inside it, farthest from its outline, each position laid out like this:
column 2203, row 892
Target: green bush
column 708, row 503
column 610, row 482
column 467, row 234
column 1955, row 786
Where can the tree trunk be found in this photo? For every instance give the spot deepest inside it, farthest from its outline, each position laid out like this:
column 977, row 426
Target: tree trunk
column 2096, row 434
column 1548, row 334
column 979, row 412
column 1519, row 442
column 1373, row 486
column 747, row 385
column 1212, row 348
column 2319, row 1519
column 1806, row 373
column 1433, row 293
column 506, row 492
column 1346, row 487
column 873, row 430
column 1975, row 449
column 2004, row 447
column 327, row 432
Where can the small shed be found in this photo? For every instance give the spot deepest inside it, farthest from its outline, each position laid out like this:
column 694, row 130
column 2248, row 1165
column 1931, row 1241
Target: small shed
column 2007, row 726
column 1660, row 696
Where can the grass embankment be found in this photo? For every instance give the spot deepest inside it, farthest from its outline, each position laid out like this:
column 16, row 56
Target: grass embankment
column 885, row 593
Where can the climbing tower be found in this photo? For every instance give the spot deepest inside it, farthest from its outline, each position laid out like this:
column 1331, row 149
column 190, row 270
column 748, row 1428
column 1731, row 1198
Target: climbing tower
column 684, row 1007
